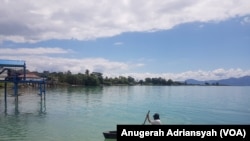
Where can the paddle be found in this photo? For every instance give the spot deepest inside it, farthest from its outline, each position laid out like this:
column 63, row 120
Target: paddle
column 146, row 117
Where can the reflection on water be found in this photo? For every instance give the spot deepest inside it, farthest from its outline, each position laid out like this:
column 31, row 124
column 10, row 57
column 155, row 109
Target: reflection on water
column 14, row 106
column 20, row 115
column 42, row 107
column 84, row 90
column 83, row 113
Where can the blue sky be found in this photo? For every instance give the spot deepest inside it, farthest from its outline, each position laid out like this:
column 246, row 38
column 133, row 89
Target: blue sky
column 173, row 40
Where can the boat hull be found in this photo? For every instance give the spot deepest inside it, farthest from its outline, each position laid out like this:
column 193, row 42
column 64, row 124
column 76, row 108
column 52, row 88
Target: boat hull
column 110, row 134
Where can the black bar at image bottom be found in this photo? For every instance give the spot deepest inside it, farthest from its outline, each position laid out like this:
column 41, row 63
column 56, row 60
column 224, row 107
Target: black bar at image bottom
column 187, row 132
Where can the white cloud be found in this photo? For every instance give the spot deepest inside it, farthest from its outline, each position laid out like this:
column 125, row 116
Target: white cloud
column 118, row 43
column 140, row 64
column 201, row 26
column 245, row 21
column 38, row 59
column 59, row 64
column 114, row 69
column 32, row 21
column 198, row 75
column 30, row 51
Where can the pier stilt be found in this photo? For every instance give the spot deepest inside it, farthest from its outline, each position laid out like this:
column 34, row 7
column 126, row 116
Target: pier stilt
column 16, row 90
column 5, row 92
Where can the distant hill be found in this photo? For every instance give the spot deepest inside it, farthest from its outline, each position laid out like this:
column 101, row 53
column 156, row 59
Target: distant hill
column 242, row 81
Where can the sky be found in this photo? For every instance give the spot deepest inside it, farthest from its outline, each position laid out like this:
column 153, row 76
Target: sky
column 172, row 39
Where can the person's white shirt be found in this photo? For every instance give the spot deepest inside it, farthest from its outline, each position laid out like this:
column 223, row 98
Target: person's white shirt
column 156, row 122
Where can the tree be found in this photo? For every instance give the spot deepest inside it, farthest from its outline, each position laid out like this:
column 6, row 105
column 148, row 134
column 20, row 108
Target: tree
column 87, row 72
column 170, row 82
column 98, row 75
column 206, row 83
column 148, row 80
column 131, row 80
column 92, row 80
column 68, row 72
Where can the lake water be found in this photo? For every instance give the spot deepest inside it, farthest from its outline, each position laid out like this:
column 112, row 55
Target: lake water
column 83, row 113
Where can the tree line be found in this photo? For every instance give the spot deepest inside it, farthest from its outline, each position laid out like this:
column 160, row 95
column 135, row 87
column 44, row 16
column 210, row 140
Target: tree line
column 97, row 79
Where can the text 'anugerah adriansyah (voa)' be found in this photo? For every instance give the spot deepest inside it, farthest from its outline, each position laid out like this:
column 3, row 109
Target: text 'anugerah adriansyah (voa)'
column 169, row 132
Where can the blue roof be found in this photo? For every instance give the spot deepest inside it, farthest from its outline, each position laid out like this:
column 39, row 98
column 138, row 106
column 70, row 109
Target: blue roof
column 12, row 63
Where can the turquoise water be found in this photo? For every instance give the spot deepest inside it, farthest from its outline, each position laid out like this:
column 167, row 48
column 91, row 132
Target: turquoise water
column 83, row 113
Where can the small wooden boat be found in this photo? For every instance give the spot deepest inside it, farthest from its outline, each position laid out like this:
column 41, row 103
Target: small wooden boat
column 109, row 134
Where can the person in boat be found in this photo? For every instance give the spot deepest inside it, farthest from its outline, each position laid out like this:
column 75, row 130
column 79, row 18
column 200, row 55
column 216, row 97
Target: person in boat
column 156, row 120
